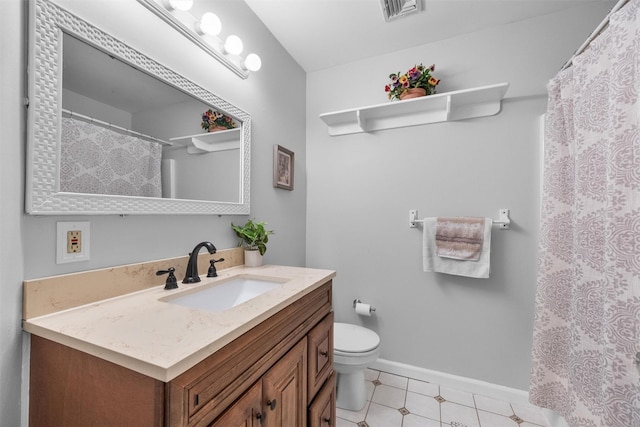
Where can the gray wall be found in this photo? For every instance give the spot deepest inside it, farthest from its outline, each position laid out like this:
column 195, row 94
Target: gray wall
column 12, row 141
column 27, row 243
column 361, row 187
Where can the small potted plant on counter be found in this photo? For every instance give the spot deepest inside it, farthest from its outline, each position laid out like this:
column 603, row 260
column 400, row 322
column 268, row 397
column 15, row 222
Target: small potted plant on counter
column 254, row 238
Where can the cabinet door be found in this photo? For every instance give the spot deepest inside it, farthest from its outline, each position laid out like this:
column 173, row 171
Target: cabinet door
column 320, row 353
column 322, row 412
column 284, row 389
column 245, row 412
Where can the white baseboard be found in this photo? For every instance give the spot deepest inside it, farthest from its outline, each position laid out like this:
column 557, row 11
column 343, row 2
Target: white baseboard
column 465, row 384
column 454, row 381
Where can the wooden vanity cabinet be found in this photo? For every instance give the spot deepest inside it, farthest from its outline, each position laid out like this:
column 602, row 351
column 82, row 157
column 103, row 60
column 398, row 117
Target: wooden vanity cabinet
column 71, row 388
column 272, row 375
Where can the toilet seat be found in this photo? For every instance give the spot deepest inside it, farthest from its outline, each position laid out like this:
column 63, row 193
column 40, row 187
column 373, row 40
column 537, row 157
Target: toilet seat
column 351, row 339
column 361, row 354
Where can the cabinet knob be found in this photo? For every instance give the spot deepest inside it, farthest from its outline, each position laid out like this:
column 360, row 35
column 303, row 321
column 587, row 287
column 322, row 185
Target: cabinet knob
column 271, row 404
column 327, row 420
column 259, row 417
column 324, row 353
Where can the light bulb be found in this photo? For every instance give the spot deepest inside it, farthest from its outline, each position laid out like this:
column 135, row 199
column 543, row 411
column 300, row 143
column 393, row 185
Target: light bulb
column 179, row 4
column 252, row 62
column 233, row 45
column 209, row 24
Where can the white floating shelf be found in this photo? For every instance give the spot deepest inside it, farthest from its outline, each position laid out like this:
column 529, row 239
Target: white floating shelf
column 458, row 105
column 211, row 141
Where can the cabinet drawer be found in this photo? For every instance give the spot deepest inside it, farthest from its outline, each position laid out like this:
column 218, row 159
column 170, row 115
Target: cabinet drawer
column 322, row 412
column 320, row 351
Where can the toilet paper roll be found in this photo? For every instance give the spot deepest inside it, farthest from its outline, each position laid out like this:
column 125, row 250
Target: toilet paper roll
column 363, row 309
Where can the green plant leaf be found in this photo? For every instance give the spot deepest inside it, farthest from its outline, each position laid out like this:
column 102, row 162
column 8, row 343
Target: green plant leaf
column 253, row 235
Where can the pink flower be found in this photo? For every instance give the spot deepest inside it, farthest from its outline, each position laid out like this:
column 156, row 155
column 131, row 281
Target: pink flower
column 417, row 76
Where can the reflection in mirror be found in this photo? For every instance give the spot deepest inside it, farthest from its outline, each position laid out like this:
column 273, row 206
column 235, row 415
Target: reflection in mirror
column 128, row 141
column 123, row 136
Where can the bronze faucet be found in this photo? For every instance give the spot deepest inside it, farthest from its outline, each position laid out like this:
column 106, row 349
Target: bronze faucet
column 191, row 276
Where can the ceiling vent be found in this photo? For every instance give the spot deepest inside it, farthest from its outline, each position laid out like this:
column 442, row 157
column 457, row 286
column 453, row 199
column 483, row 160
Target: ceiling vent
column 394, row 9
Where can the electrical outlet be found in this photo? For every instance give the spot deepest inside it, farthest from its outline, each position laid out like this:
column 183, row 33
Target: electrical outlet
column 73, row 242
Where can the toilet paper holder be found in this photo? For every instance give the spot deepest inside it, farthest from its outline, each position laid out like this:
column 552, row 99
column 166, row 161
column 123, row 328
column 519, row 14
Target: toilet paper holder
column 357, row 301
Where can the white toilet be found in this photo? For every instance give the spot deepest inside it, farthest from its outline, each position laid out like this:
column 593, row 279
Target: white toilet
column 354, row 349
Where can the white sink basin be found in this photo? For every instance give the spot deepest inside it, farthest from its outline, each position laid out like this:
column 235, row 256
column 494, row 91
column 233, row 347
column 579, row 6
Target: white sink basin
column 225, row 295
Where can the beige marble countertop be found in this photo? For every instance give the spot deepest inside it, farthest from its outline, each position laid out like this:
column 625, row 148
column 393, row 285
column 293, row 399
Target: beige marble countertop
column 163, row 340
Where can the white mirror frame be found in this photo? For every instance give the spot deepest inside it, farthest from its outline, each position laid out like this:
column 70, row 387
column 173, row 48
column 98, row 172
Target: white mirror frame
column 47, row 24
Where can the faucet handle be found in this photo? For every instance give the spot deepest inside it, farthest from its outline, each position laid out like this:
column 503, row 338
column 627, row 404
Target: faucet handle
column 212, row 269
column 171, row 282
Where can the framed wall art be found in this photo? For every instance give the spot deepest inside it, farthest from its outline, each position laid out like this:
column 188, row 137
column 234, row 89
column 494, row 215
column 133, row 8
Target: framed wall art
column 283, row 161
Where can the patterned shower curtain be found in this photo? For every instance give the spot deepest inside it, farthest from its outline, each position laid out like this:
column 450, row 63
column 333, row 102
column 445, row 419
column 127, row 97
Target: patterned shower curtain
column 587, row 322
column 98, row 160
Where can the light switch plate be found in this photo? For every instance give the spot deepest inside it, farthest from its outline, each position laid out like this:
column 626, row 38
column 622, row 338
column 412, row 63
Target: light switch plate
column 73, row 242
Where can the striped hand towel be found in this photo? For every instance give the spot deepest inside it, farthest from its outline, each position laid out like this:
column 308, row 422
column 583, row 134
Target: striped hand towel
column 459, row 238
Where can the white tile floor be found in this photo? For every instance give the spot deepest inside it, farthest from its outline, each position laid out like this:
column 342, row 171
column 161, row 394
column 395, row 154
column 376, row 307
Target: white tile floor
column 395, row 401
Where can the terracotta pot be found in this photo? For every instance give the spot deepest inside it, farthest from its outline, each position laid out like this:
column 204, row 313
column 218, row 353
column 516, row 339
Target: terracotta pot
column 214, row 128
column 414, row 92
column 252, row 258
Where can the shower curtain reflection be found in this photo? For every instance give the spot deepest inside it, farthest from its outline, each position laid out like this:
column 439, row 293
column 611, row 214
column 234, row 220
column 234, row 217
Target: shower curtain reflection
column 98, row 160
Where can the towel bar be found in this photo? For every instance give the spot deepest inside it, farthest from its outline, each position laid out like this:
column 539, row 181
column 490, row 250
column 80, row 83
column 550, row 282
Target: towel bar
column 503, row 221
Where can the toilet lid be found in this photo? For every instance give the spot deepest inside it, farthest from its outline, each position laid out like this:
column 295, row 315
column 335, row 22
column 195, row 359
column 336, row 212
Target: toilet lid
column 353, row 338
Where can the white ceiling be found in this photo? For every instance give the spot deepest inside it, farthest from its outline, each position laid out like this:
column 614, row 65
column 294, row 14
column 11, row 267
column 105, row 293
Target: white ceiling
column 321, row 34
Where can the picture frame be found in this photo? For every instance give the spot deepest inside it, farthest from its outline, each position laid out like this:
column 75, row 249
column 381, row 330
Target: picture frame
column 283, row 167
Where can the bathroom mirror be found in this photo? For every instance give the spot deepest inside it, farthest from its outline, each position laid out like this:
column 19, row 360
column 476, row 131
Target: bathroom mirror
column 111, row 131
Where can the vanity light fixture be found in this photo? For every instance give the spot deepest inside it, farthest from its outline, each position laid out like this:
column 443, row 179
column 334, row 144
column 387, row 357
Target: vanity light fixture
column 204, row 33
column 209, row 24
column 183, row 5
column 233, row 45
column 252, row 62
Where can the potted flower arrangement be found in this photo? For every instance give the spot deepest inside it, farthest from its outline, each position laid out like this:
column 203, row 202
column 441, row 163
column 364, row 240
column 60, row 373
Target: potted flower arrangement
column 214, row 120
column 254, row 237
column 416, row 82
